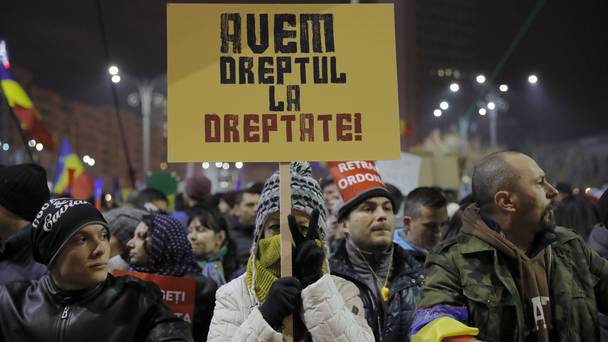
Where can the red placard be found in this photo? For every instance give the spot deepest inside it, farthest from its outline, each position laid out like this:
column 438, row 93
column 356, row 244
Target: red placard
column 178, row 292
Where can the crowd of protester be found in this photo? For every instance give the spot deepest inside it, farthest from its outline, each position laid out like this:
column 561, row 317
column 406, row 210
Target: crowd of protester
column 518, row 259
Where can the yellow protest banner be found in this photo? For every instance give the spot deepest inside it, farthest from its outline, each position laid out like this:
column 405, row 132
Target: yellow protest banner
column 278, row 82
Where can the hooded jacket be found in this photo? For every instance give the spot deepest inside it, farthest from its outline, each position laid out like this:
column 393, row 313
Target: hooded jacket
column 405, row 285
column 598, row 241
column 332, row 311
column 16, row 260
column 469, row 273
column 118, row 309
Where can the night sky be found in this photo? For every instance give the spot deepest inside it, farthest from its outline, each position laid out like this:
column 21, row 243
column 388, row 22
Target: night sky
column 567, row 47
column 60, row 43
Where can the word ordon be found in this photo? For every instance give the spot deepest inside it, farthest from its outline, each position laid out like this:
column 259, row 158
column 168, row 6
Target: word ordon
column 262, row 128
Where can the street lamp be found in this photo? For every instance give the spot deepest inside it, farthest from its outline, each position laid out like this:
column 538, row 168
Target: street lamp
column 454, row 87
column 532, row 79
column 145, row 97
column 492, row 104
column 113, row 70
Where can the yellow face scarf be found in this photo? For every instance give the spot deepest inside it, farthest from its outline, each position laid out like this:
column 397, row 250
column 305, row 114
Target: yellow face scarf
column 268, row 265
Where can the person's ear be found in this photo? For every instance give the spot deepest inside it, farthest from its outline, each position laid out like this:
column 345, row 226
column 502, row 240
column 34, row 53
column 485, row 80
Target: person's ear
column 220, row 237
column 407, row 222
column 504, row 201
column 343, row 226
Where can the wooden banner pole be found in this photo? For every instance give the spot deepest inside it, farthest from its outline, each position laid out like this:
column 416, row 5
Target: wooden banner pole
column 285, row 210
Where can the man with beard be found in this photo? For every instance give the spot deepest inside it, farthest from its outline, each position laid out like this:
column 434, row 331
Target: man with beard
column 512, row 275
column 388, row 277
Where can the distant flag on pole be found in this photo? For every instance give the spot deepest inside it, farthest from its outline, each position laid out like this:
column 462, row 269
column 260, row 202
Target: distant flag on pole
column 20, row 103
column 116, row 191
column 405, row 128
column 68, row 160
column 98, row 185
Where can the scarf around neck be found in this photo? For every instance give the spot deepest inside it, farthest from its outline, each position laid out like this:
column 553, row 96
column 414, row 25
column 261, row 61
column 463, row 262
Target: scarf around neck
column 533, row 280
column 266, row 268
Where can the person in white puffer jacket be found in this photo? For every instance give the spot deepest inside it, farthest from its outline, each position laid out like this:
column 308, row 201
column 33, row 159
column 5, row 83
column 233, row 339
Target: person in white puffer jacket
column 253, row 306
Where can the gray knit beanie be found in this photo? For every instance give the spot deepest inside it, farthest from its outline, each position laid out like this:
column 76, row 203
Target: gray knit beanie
column 306, row 195
column 122, row 222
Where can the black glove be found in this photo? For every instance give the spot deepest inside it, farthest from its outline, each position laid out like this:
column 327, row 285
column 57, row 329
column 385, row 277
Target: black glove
column 308, row 257
column 283, row 299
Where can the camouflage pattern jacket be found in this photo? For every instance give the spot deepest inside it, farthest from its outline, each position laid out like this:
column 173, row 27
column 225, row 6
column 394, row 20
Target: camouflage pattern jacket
column 467, row 272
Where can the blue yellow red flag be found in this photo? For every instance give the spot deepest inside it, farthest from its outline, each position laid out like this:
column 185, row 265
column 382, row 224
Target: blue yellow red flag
column 68, row 159
column 24, row 109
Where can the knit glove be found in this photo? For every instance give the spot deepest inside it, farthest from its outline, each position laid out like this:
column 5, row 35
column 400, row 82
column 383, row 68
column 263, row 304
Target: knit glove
column 283, row 299
column 308, row 257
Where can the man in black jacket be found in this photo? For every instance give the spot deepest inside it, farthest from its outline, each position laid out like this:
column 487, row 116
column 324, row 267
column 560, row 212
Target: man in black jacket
column 23, row 190
column 388, row 277
column 78, row 300
column 242, row 224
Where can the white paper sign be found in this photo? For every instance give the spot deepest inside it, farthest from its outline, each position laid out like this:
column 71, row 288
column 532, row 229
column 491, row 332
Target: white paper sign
column 403, row 173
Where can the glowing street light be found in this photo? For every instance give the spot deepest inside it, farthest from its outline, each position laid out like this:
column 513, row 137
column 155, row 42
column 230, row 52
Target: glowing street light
column 480, row 79
column 454, row 87
column 225, row 166
column 491, row 105
column 503, row 88
column 115, row 79
column 86, row 158
column 532, row 79
column 219, row 164
column 238, row 165
column 39, row 147
column 205, row 165
column 6, row 146
column 482, row 111
column 31, row 143
column 444, row 105
column 113, row 70
column 437, row 112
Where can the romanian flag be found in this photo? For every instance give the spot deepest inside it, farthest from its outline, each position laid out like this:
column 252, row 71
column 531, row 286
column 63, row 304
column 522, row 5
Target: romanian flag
column 70, row 175
column 405, row 128
column 24, row 109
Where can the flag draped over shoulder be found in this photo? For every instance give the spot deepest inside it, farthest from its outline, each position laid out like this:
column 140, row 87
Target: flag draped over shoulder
column 69, row 162
column 24, row 109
